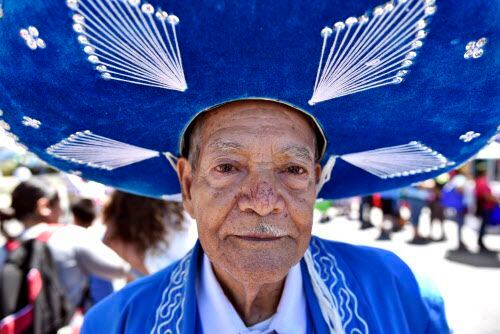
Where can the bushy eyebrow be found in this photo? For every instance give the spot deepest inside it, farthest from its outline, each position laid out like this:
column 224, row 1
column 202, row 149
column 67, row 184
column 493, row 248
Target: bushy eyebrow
column 221, row 145
column 300, row 152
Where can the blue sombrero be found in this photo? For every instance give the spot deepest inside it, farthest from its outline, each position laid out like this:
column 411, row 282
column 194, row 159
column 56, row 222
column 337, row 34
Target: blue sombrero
column 402, row 91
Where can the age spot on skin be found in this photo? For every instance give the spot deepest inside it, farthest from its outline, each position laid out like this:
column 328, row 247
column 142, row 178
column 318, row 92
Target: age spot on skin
column 263, row 193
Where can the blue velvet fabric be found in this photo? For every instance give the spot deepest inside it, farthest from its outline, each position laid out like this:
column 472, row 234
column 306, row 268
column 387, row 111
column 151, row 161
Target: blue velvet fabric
column 240, row 49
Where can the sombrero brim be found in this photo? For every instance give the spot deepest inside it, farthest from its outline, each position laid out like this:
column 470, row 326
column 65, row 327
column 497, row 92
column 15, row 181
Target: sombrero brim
column 444, row 111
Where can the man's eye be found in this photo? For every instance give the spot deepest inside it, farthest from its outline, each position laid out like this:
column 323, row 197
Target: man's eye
column 225, row 168
column 296, row 170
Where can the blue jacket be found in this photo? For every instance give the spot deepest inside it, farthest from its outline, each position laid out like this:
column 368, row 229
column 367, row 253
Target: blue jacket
column 372, row 290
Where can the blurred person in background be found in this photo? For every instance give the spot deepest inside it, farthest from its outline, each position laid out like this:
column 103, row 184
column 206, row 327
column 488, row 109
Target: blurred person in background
column 437, row 208
column 148, row 233
column 454, row 199
column 84, row 212
column 485, row 203
column 390, row 211
column 364, row 212
column 76, row 254
column 417, row 197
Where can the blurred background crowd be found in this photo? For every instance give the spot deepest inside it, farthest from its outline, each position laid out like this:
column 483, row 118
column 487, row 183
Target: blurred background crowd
column 447, row 229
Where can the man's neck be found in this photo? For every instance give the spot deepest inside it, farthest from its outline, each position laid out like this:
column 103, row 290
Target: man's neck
column 253, row 302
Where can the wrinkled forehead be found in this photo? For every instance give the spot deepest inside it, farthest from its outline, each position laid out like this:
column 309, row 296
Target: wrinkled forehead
column 247, row 118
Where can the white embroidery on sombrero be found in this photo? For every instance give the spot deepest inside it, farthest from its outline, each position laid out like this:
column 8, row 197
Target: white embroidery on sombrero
column 337, row 302
column 172, row 159
column 370, row 52
column 34, row 123
column 32, row 38
column 99, row 152
column 474, row 49
column 326, row 173
column 130, row 42
column 397, row 161
column 4, row 125
column 469, row 136
column 170, row 312
column 11, row 136
column 172, row 198
column 5, row 130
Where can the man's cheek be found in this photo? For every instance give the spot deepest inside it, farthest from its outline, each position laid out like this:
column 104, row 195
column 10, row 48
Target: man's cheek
column 212, row 208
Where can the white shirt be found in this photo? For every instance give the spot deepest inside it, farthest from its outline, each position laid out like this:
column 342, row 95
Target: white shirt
column 179, row 243
column 218, row 315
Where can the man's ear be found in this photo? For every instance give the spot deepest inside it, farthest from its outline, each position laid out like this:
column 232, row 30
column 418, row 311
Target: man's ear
column 185, row 174
column 43, row 208
column 317, row 172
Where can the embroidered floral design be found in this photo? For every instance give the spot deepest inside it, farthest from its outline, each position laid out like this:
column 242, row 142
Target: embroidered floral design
column 474, row 49
column 34, row 123
column 32, row 38
column 469, row 136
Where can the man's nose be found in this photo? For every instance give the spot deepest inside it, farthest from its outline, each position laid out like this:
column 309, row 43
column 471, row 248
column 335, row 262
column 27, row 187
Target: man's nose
column 262, row 198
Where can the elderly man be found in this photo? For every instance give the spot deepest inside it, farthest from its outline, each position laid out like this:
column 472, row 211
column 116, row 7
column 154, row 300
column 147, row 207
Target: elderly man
column 249, row 179
column 250, row 110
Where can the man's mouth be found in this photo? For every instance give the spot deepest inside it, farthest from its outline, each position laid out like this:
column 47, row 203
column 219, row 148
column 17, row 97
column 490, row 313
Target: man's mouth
column 259, row 238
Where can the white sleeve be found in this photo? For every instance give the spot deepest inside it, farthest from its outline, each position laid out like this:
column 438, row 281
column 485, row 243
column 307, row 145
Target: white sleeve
column 98, row 259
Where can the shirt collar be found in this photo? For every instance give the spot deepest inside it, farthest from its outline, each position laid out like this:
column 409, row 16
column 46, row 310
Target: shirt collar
column 218, row 315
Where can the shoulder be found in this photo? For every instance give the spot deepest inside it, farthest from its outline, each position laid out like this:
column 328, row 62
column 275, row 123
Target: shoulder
column 388, row 282
column 68, row 234
column 365, row 259
column 140, row 298
column 379, row 275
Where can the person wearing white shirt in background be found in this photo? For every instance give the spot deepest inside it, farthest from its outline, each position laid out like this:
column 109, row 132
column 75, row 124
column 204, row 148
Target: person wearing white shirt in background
column 76, row 253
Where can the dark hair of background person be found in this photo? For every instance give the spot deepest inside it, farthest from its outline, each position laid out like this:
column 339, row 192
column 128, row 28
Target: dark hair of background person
column 140, row 221
column 84, row 211
column 25, row 200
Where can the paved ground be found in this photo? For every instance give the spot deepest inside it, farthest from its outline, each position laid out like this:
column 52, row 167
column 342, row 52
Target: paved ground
column 469, row 282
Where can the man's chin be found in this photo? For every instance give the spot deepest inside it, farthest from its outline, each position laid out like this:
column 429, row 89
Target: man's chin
column 260, row 272
column 258, row 261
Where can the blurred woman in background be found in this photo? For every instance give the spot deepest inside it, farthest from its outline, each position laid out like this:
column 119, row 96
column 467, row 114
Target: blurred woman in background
column 148, row 233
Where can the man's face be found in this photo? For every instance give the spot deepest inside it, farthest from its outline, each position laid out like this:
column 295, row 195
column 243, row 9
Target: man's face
column 252, row 189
